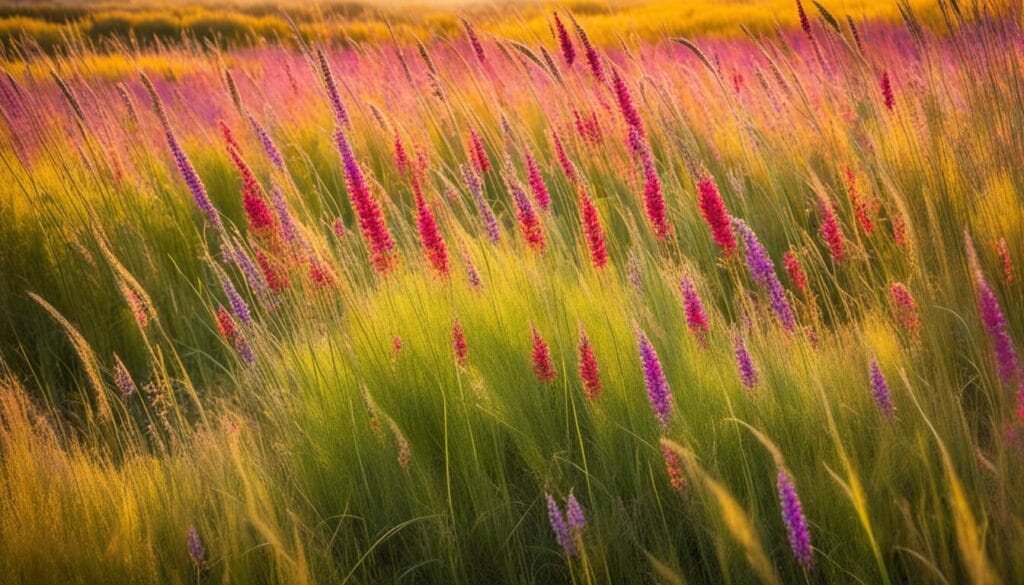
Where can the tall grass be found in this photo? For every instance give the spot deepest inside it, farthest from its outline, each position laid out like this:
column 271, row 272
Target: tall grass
column 732, row 311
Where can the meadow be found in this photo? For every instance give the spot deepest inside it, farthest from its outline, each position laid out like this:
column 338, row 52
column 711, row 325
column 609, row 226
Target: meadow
column 517, row 307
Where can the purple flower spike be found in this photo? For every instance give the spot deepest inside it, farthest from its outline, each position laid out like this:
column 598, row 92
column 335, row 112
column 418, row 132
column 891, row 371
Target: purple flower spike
column 992, row 317
column 574, row 513
column 762, row 269
column 195, row 546
column 880, row 390
column 559, row 527
column 658, row 390
column 793, row 517
column 748, row 371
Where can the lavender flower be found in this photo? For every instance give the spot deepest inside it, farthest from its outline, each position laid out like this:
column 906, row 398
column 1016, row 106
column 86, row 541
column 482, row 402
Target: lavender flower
column 195, row 546
column 880, row 390
column 762, row 269
column 238, row 306
column 253, row 277
column 244, row 349
column 995, row 326
column 793, row 517
column 268, row 143
column 658, row 390
column 559, row 527
column 574, row 513
column 185, row 168
column 486, row 213
column 748, row 371
column 284, row 215
column 340, row 113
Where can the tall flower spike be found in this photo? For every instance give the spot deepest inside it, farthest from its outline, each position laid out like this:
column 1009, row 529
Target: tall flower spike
column 471, row 273
column 474, row 40
column 574, row 513
column 536, row 181
column 592, row 230
column 267, row 142
column 593, row 59
column 195, row 547
column 225, row 324
column 337, row 106
column 565, row 42
column 998, row 332
column 795, row 272
column 654, row 199
column 658, row 391
column 430, row 237
column 529, row 222
column 763, row 272
column 477, row 154
column 559, row 527
column 123, row 379
column 748, row 371
column 541, row 356
column 712, row 207
column 793, row 518
column 238, row 306
column 887, row 94
column 491, row 225
column 589, row 373
column 831, row 232
column 696, row 318
column 626, row 105
column 880, row 390
column 905, row 307
column 185, row 168
column 368, row 211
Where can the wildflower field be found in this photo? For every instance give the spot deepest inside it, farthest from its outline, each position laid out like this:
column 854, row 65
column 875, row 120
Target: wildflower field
column 484, row 307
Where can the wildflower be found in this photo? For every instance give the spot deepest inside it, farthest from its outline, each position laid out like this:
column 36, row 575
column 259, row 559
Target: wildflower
column 244, row 349
column 368, row 211
column 140, row 310
column 654, row 199
column 284, row 215
column 238, row 306
column 122, row 379
column 658, row 391
column 559, row 527
column 339, row 228
column 763, row 272
column 1004, row 259
column 592, row 230
column 593, row 59
column 633, row 271
column 185, row 168
column 712, row 207
column 459, row 345
column 626, row 105
column 887, row 94
column 748, row 371
column 529, row 222
column 696, row 318
column 574, row 513
column 565, row 42
column 805, row 22
column 225, row 324
column 430, row 237
column 563, row 160
column 899, row 231
column 541, row 355
column 880, row 390
column 229, row 137
column 998, row 333
column 793, row 517
column 471, row 274
column 674, row 468
column 267, row 143
column 337, row 106
column 904, row 307
column 474, row 40
column 795, row 272
column 589, row 373
column 491, row 225
column 195, row 547
column 536, row 182
column 477, row 154
column 831, row 232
